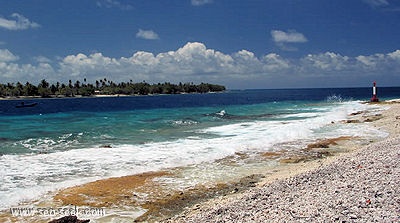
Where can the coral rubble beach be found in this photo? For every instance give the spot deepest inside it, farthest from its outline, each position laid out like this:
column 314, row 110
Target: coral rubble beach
column 358, row 185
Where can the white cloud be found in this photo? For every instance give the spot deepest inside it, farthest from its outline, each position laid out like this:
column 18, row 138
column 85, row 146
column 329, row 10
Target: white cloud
column 201, row 2
column 274, row 62
column 7, row 56
column 288, row 37
column 13, row 72
column 284, row 39
column 327, row 61
column 80, row 64
column 380, row 63
column 42, row 59
column 147, row 34
column 142, row 58
column 377, row 3
column 113, row 4
column 394, row 55
column 194, row 62
column 19, row 22
column 246, row 62
column 191, row 59
column 371, row 61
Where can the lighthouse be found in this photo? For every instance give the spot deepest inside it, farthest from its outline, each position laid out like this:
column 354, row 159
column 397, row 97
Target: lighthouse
column 374, row 97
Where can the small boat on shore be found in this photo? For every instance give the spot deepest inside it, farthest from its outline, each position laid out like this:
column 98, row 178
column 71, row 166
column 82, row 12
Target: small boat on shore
column 23, row 105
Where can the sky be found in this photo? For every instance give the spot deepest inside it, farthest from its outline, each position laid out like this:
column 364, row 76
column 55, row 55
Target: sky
column 242, row 44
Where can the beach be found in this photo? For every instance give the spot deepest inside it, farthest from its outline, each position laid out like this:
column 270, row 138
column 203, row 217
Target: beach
column 359, row 186
column 283, row 185
column 121, row 111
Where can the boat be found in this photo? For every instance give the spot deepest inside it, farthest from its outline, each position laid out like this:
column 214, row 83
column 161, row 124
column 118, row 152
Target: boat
column 23, row 105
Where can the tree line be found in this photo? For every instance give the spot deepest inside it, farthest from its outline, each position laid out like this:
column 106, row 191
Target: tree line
column 102, row 87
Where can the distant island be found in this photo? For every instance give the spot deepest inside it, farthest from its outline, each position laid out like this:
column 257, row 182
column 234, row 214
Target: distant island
column 101, row 87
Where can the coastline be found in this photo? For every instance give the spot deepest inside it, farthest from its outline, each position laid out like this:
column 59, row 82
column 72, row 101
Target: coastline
column 171, row 206
column 334, row 189
column 76, row 96
column 14, row 98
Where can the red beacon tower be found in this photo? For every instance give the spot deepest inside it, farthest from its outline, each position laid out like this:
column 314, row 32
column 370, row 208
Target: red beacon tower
column 374, row 97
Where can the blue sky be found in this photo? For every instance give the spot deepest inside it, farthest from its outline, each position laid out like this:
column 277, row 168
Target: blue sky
column 240, row 44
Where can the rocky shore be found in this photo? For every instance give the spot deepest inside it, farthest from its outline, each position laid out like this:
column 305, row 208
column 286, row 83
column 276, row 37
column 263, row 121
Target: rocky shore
column 360, row 186
column 330, row 180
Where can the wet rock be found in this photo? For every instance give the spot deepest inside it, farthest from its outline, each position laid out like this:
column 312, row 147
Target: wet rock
column 69, row 219
column 353, row 121
column 271, row 154
column 293, row 159
column 356, row 113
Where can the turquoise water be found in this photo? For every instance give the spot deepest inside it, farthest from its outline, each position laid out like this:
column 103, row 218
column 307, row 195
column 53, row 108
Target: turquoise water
column 43, row 133
column 64, row 142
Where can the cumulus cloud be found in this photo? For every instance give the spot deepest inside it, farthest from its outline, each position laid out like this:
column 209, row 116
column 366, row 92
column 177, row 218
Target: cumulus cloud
column 290, row 36
column 371, row 61
column 147, row 34
column 42, row 59
column 274, row 62
column 7, row 56
column 17, row 22
column 13, row 72
column 200, row 2
column 395, row 55
column 283, row 39
column 194, row 62
column 113, row 4
column 328, row 61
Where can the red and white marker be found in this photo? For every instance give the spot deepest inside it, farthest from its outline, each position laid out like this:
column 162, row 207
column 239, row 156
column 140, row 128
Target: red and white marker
column 374, row 97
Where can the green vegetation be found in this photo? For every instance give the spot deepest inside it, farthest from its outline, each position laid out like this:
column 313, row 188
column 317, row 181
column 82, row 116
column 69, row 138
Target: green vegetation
column 102, row 87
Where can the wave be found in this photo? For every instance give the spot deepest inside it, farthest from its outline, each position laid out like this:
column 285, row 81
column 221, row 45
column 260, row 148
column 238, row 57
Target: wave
column 223, row 114
column 337, row 99
column 184, row 122
column 26, row 176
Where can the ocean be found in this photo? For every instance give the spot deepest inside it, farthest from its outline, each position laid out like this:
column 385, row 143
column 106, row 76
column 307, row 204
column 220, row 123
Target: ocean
column 64, row 142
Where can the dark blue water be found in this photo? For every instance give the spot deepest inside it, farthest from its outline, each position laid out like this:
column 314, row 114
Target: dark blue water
column 107, row 104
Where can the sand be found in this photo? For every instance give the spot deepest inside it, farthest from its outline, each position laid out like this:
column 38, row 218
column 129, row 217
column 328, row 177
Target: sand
column 104, row 193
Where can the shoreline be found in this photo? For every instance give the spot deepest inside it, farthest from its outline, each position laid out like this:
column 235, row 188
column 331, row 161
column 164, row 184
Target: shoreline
column 72, row 97
column 13, row 98
column 349, row 189
column 171, row 206
column 294, row 193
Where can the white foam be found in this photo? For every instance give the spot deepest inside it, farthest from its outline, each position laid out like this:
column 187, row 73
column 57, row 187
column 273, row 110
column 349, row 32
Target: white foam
column 26, row 177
